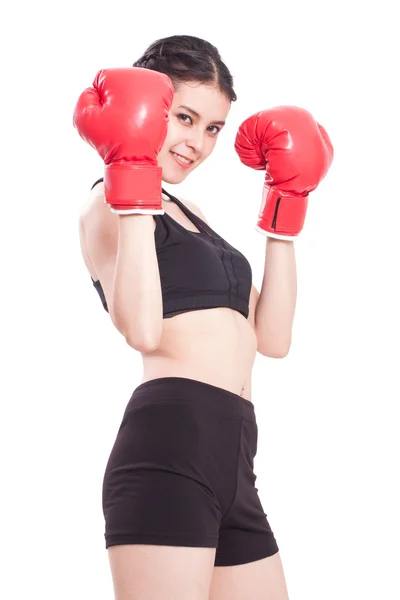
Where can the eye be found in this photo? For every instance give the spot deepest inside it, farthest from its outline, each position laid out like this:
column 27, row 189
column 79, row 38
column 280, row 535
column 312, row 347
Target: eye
column 187, row 116
column 182, row 115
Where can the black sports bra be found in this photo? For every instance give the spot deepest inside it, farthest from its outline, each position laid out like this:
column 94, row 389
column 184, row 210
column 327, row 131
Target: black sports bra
column 198, row 270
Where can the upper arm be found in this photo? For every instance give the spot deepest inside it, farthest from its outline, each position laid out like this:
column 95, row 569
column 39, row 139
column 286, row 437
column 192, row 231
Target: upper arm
column 83, row 244
column 254, row 296
column 254, row 293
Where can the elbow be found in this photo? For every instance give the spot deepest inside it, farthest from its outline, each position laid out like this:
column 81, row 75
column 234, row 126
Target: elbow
column 144, row 346
column 142, row 336
column 280, row 354
column 274, row 352
column 143, row 343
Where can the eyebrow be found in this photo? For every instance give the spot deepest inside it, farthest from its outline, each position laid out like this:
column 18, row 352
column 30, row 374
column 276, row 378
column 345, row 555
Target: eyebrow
column 196, row 114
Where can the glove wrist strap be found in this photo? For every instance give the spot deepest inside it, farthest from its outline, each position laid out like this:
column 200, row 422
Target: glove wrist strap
column 282, row 215
column 130, row 187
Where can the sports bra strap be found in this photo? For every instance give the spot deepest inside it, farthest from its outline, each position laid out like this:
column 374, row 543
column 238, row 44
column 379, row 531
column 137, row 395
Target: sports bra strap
column 191, row 215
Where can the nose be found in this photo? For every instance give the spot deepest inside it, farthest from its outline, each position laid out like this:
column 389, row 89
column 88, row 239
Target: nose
column 195, row 140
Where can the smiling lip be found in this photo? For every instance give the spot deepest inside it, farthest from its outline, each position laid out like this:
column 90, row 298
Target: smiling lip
column 187, row 158
column 182, row 164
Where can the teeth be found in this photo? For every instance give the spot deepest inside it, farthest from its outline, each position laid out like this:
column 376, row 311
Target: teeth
column 183, row 159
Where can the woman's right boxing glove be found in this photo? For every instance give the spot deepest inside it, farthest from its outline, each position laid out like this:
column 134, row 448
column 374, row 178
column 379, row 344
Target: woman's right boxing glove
column 124, row 116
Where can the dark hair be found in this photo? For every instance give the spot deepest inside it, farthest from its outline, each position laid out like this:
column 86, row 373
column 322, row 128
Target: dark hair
column 187, row 58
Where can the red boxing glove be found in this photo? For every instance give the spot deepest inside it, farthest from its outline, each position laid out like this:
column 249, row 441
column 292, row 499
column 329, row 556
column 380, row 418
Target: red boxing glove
column 296, row 153
column 124, row 116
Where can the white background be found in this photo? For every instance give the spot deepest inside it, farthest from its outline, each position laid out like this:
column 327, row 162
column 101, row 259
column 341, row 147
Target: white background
column 328, row 454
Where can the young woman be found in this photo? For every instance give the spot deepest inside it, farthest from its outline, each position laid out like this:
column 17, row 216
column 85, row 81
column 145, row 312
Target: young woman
column 182, row 515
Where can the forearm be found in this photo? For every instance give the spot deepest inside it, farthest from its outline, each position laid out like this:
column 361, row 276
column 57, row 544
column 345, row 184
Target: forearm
column 275, row 308
column 137, row 287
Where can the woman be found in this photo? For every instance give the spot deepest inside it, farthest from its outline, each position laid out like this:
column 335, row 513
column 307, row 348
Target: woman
column 183, row 517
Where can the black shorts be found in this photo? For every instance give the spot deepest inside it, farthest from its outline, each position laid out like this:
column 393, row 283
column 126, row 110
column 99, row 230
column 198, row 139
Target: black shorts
column 180, row 473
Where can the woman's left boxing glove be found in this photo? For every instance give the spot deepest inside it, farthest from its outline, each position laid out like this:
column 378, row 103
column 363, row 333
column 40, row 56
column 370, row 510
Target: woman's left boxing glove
column 296, row 153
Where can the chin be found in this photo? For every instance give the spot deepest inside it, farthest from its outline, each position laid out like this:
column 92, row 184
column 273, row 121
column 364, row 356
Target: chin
column 173, row 178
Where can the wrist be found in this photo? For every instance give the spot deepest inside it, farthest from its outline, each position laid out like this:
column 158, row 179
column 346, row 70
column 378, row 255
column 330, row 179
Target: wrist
column 134, row 188
column 281, row 214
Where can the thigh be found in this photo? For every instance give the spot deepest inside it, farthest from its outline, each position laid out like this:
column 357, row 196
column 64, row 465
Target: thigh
column 157, row 572
column 259, row 580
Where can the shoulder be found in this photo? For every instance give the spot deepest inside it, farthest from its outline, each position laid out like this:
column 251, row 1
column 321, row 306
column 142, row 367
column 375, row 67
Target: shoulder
column 98, row 226
column 194, row 208
column 95, row 216
column 93, row 204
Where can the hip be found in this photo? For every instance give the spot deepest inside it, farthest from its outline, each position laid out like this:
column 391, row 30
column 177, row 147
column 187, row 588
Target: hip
column 186, row 430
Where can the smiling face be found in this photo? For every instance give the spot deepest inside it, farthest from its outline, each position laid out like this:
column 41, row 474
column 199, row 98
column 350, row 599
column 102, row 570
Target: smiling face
column 192, row 135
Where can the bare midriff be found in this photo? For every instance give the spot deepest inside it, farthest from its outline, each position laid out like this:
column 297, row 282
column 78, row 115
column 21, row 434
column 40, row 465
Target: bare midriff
column 215, row 345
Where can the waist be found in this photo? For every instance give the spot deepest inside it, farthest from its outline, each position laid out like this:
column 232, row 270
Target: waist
column 217, row 346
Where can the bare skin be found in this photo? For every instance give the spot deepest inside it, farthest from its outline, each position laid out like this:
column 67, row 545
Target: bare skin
column 217, row 345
